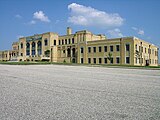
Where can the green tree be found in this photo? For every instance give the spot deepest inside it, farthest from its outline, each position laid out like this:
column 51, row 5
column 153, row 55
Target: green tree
column 109, row 56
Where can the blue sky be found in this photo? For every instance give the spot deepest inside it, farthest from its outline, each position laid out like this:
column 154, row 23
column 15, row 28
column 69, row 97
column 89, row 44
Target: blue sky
column 114, row 18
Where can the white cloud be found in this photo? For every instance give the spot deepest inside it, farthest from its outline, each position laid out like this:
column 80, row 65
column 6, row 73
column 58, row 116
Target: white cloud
column 32, row 22
column 139, row 31
column 19, row 36
column 88, row 16
column 115, row 33
column 41, row 16
column 18, row 16
column 134, row 28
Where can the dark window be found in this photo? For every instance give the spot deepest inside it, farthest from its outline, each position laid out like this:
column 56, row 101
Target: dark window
column 111, row 48
column 94, row 49
column 111, row 61
column 117, row 60
column 117, row 47
column 142, row 49
column 27, row 52
column 81, row 50
column 72, row 40
column 39, row 51
column 149, row 51
column 46, row 42
column 54, row 42
column 28, row 46
column 105, row 48
column 89, row 60
column 65, row 41
column 69, row 41
column 145, row 50
column 21, row 54
column 33, row 52
column 89, row 49
column 139, row 48
column 136, row 46
column 105, row 60
column 127, row 60
column 94, row 60
column 62, row 42
column 100, row 49
column 59, row 42
column 100, row 60
column 33, row 45
column 63, row 51
column 127, row 47
column 21, row 45
column 81, row 60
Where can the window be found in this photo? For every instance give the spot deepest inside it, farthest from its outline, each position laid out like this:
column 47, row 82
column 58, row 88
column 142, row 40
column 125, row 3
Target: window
column 62, row 42
column 89, row 60
column 105, row 48
column 94, row 49
column 72, row 40
column 81, row 60
column 21, row 54
column 28, row 46
column 127, row 47
column 100, row 60
column 94, row 60
column 145, row 50
column 45, row 42
column 136, row 46
column 27, row 52
column 117, row 47
column 33, row 52
column 111, row 48
column 54, row 42
column 149, row 51
column 59, row 42
column 33, row 45
column 89, row 49
column 152, row 61
column 127, row 60
column 100, row 49
column 139, row 48
column 63, row 51
column 117, row 59
column 21, row 45
column 111, row 61
column 142, row 60
column 82, row 50
column 69, row 41
column 153, row 51
column 136, row 60
column 65, row 41
column 105, row 60
column 142, row 49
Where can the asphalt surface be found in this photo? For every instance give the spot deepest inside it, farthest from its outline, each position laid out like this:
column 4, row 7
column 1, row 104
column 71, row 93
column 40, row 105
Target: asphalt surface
column 57, row 92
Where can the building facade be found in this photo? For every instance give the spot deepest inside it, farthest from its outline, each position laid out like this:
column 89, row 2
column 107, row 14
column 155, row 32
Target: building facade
column 83, row 47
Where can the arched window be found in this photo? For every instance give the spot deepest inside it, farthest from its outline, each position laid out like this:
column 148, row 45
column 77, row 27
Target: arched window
column 27, row 45
column 21, row 45
column 54, row 42
column 68, row 52
column 39, row 49
column 33, row 45
column 33, row 48
column 39, row 44
column 45, row 42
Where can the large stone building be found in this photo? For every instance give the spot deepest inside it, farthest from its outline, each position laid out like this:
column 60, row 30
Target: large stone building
column 82, row 47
